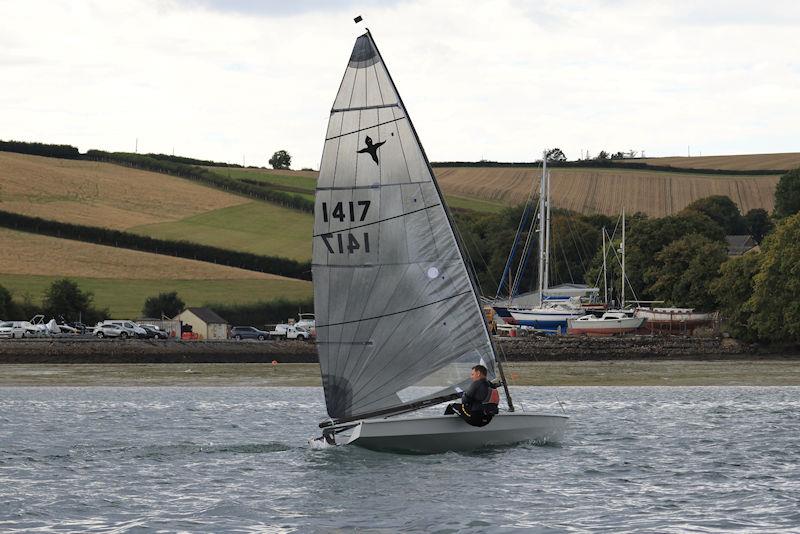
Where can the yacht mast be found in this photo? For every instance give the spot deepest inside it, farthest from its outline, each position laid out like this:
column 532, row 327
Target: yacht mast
column 605, row 276
column 623, row 259
column 541, row 228
column 547, row 235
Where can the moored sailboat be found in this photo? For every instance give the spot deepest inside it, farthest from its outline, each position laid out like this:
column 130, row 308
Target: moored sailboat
column 398, row 320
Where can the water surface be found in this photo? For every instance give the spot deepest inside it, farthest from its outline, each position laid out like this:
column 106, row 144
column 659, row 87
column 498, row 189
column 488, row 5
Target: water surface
column 635, row 459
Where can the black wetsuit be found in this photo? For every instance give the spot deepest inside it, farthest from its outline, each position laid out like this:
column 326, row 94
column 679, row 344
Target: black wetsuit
column 473, row 408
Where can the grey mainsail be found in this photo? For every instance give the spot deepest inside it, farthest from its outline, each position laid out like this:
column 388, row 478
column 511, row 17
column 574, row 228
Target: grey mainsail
column 394, row 303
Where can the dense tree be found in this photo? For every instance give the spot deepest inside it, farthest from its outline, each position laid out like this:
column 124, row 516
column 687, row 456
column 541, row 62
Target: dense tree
column 732, row 291
column 164, row 304
column 758, row 223
column 8, row 309
column 723, row 211
column 682, row 272
column 787, row 194
column 65, row 299
column 775, row 303
column 555, row 154
column 280, row 160
column 262, row 313
column 603, row 155
column 646, row 237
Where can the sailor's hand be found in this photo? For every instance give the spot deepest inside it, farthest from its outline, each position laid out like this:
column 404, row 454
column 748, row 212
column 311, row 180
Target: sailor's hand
column 459, row 391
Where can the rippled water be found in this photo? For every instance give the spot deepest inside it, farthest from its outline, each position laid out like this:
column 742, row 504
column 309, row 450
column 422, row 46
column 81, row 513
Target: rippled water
column 236, row 459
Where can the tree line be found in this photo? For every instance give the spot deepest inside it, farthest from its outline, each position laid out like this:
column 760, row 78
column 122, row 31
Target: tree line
column 181, row 249
column 609, row 163
column 680, row 260
column 41, row 149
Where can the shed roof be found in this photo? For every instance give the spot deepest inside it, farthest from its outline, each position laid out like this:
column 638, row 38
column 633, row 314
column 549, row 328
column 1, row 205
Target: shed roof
column 207, row 315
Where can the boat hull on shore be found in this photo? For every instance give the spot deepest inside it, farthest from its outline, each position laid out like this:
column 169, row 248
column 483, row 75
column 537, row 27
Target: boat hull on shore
column 609, row 324
column 429, row 435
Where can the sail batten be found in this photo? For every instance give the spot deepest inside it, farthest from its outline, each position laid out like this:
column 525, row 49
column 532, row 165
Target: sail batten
column 397, row 315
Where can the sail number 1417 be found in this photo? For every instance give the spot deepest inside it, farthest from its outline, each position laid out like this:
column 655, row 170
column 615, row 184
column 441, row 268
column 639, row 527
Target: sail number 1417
column 348, row 241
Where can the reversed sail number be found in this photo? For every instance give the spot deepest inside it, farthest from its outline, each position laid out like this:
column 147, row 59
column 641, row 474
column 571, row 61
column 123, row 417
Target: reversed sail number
column 341, row 242
column 341, row 214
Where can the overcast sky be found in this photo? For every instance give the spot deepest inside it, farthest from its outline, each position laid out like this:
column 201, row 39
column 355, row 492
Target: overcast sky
column 499, row 80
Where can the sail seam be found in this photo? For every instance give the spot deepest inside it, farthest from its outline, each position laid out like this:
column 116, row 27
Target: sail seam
column 379, row 221
column 363, row 108
column 365, row 128
column 374, row 186
column 394, row 313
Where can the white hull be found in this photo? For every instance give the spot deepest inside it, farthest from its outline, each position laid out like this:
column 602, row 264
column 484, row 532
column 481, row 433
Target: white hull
column 673, row 315
column 426, row 435
column 604, row 327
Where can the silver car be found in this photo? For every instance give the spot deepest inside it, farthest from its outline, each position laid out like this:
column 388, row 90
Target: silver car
column 111, row 330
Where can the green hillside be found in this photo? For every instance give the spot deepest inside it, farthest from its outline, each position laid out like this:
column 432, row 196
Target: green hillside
column 256, row 227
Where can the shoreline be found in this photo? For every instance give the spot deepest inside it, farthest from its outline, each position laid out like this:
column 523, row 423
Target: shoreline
column 92, row 351
column 616, row 373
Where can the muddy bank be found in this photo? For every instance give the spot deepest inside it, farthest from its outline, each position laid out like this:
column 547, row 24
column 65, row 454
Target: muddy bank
column 108, row 351
column 553, row 348
column 542, row 349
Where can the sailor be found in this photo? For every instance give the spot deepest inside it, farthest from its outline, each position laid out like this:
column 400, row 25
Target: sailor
column 479, row 403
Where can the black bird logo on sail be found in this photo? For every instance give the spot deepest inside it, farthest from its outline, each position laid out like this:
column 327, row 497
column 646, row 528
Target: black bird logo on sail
column 371, row 149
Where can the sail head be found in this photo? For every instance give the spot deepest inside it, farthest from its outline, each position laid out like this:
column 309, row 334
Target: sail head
column 398, row 319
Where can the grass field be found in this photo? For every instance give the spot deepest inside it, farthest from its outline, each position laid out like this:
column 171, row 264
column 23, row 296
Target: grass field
column 122, row 279
column 306, row 180
column 125, row 297
column 24, row 253
column 608, row 190
column 256, row 227
column 744, row 162
column 101, row 194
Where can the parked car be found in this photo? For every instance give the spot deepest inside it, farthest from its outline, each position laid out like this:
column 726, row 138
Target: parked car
column 247, row 332
column 154, row 332
column 111, row 330
column 133, row 329
column 12, row 329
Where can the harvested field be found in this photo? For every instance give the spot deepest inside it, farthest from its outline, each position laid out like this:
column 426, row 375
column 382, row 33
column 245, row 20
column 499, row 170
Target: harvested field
column 100, row 194
column 32, row 254
column 744, row 162
column 608, row 190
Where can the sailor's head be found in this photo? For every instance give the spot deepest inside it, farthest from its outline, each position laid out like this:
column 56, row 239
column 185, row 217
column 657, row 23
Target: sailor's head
column 478, row 372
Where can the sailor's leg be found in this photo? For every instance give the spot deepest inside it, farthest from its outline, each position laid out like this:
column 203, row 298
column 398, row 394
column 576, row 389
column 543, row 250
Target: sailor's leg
column 451, row 409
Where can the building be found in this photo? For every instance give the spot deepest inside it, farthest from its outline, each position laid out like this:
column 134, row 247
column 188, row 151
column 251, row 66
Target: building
column 204, row 322
column 740, row 244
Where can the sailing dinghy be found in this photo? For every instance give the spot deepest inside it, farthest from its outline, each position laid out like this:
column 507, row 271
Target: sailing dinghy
column 399, row 324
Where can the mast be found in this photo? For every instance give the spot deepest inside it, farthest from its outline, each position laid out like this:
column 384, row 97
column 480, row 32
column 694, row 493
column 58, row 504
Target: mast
column 547, row 235
column 605, row 275
column 623, row 258
column 456, row 237
column 541, row 229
